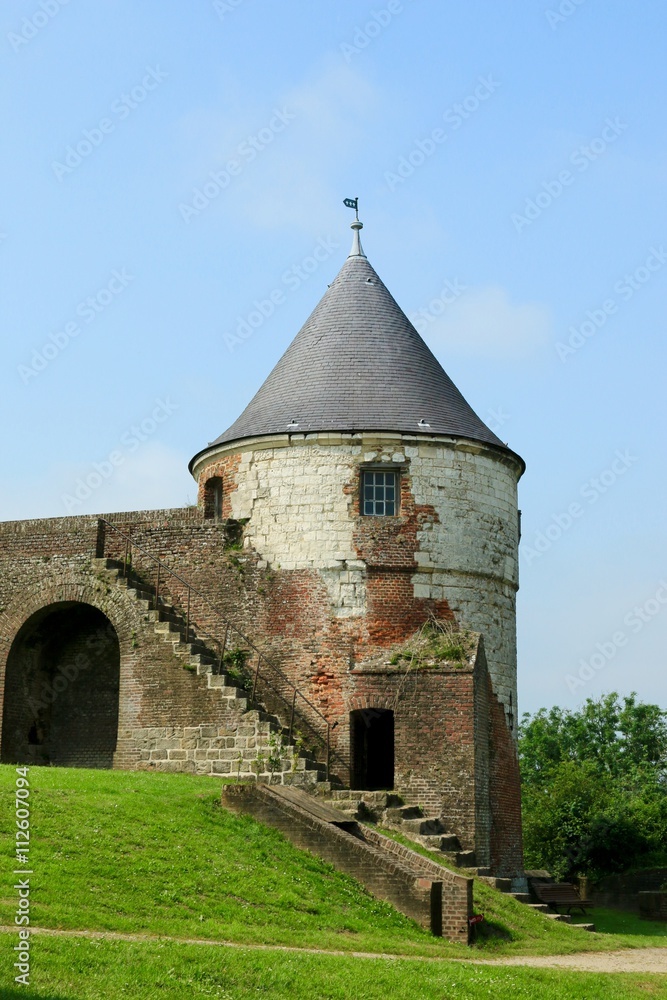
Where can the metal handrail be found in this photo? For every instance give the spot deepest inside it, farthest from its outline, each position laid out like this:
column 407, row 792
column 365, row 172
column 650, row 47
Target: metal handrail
column 229, row 626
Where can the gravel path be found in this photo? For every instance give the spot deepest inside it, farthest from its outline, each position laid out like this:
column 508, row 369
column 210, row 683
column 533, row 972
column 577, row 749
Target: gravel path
column 626, row 960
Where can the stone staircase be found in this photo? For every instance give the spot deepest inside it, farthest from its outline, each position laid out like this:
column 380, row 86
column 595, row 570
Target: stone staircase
column 388, row 810
column 249, row 743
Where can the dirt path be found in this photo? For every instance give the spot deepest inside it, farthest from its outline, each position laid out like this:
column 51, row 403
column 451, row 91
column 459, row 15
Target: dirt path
column 626, row 960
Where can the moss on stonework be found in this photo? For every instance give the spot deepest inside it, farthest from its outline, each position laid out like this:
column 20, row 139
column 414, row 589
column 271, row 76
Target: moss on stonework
column 234, row 664
column 234, row 533
column 435, row 644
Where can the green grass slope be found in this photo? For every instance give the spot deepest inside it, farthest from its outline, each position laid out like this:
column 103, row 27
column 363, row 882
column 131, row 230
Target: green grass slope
column 155, row 854
column 73, row 969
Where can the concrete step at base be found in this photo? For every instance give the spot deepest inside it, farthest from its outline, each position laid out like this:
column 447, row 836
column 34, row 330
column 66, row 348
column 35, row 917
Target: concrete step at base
column 584, row 927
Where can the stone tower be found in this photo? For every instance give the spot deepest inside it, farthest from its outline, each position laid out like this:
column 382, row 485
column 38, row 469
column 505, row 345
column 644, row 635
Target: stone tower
column 263, row 634
column 370, row 485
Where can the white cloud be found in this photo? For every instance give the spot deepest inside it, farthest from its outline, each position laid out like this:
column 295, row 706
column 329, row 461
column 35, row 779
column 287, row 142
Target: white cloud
column 484, row 322
column 153, row 477
column 292, row 177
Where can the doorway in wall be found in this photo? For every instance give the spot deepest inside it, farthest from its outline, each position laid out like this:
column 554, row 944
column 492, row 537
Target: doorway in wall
column 372, row 756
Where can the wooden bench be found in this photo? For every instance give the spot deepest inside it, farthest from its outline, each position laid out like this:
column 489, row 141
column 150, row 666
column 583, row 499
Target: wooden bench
column 561, row 894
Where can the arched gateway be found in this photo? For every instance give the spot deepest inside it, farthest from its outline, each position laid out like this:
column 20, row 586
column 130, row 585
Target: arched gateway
column 61, row 689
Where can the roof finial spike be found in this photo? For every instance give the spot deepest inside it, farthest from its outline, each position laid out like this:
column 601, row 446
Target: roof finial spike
column 357, row 249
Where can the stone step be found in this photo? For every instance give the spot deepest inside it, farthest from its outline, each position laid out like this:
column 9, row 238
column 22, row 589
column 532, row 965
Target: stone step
column 103, row 563
column 167, row 627
column 238, row 703
column 522, row 897
column 143, row 597
column 466, row 859
column 377, row 797
column 399, row 814
column 560, row 918
column 585, row 927
column 424, row 825
column 199, row 660
column 501, row 884
column 442, row 842
column 220, row 682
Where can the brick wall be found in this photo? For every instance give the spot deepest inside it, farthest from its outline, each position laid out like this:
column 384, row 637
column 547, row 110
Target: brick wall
column 437, row 899
column 505, row 794
column 321, row 591
column 451, row 550
column 62, row 685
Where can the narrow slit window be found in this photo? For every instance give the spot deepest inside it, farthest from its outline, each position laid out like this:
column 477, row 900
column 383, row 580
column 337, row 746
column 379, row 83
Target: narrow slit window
column 379, row 491
column 213, row 498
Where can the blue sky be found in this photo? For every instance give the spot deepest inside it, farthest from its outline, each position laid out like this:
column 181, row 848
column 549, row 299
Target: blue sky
column 170, row 169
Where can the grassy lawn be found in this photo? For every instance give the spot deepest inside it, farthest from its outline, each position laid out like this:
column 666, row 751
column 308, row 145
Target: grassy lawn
column 635, row 932
column 155, row 854
column 66, row 969
column 510, row 928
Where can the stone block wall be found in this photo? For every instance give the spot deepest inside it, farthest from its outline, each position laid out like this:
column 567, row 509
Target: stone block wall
column 451, row 550
column 306, row 621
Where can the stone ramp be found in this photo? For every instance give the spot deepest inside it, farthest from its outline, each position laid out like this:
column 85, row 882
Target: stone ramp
column 434, row 897
column 317, row 808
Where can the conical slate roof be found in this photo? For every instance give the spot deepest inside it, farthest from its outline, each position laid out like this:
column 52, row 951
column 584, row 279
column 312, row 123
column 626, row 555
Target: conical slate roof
column 358, row 364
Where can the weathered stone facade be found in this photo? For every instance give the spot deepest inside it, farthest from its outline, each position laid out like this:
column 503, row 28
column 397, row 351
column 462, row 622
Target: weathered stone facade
column 268, row 654
column 452, row 547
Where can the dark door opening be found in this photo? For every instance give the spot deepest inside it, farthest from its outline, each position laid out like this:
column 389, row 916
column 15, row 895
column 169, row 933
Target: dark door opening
column 62, row 689
column 372, row 756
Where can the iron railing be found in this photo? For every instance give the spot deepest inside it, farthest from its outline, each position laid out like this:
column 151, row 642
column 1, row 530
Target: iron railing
column 270, row 674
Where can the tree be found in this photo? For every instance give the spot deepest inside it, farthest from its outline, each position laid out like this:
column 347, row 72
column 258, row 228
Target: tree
column 594, row 786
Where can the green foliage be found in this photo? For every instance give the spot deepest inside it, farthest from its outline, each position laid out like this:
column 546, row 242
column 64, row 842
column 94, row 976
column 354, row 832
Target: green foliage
column 594, row 787
column 435, row 643
column 234, row 664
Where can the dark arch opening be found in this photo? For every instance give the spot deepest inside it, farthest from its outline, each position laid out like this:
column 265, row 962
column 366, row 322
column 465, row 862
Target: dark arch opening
column 372, row 749
column 213, row 498
column 61, row 689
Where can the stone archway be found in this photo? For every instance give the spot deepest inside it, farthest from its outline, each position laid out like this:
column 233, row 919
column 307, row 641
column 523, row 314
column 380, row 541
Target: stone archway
column 61, row 695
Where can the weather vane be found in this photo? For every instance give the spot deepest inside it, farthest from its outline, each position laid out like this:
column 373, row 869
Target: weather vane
column 352, row 203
